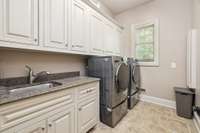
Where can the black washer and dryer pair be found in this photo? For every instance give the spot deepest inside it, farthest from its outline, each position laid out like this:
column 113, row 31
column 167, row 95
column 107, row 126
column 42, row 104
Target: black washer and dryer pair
column 114, row 82
column 134, row 82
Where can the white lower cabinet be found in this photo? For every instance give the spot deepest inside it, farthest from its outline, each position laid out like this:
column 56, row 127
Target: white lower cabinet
column 74, row 110
column 62, row 122
column 8, row 131
column 87, row 115
column 39, row 127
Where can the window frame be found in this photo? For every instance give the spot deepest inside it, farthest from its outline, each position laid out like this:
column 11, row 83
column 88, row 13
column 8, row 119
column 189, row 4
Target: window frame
column 134, row 28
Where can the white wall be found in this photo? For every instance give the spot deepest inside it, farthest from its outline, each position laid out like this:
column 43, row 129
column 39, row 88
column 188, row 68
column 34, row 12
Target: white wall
column 12, row 63
column 175, row 21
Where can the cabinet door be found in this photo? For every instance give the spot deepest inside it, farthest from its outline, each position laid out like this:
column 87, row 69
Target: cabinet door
column 62, row 122
column 79, row 26
column 117, row 41
column 11, row 130
column 109, row 39
column 56, row 21
column 20, row 21
column 96, row 33
column 39, row 127
column 87, row 115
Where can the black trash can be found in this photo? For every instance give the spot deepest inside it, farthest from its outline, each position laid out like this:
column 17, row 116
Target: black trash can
column 184, row 102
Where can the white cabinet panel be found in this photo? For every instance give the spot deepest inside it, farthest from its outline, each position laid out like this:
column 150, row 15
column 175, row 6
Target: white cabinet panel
column 11, row 130
column 192, row 59
column 56, row 13
column 79, row 26
column 87, row 115
column 96, row 33
column 62, row 122
column 39, row 127
column 118, row 42
column 20, row 21
column 109, row 39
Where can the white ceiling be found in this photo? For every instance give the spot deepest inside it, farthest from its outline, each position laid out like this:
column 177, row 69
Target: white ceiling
column 118, row 6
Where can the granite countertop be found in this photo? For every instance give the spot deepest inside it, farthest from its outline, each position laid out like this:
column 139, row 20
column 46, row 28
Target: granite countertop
column 6, row 97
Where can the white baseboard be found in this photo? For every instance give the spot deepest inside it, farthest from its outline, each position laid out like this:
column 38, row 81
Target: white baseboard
column 196, row 120
column 159, row 101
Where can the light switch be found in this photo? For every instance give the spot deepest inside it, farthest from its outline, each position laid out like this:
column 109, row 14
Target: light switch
column 173, row 65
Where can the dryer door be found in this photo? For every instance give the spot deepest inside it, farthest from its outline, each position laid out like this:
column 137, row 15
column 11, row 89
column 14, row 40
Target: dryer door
column 122, row 77
column 136, row 76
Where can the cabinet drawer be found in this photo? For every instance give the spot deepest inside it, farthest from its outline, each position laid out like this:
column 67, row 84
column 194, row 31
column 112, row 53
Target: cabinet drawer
column 87, row 91
column 25, row 110
column 32, row 127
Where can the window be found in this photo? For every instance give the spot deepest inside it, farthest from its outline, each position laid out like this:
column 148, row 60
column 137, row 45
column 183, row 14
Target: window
column 145, row 42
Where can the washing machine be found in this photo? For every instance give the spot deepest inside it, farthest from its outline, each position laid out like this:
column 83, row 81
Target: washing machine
column 134, row 82
column 114, row 81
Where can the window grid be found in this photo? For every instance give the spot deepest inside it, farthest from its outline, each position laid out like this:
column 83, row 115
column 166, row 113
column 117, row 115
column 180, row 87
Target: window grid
column 145, row 43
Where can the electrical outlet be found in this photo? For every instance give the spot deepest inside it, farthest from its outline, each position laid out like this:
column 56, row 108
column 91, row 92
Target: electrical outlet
column 173, row 65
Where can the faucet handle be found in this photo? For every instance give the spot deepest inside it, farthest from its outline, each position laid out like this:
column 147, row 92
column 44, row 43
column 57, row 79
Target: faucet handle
column 28, row 67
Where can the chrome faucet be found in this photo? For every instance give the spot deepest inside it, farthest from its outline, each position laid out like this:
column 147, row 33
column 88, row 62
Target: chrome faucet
column 32, row 77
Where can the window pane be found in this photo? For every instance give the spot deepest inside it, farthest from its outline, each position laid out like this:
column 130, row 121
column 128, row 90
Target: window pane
column 145, row 52
column 145, row 43
column 145, row 35
column 150, row 30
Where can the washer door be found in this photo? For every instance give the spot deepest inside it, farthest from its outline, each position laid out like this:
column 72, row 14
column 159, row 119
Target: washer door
column 122, row 77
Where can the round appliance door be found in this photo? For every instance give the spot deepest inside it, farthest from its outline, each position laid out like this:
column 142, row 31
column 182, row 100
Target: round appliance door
column 122, row 77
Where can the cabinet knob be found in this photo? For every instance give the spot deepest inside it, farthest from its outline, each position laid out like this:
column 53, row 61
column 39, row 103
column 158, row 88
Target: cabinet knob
column 66, row 45
column 50, row 125
column 43, row 129
column 80, row 109
column 35, row 39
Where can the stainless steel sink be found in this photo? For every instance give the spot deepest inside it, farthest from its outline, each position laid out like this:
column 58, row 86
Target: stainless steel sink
column 34, row 87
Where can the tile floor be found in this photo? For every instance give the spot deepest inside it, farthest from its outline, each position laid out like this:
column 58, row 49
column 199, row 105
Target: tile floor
column 150, row 118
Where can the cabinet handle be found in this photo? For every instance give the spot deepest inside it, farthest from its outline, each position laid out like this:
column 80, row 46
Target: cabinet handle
column 40, row 129
column 66, row 45
column 78, row 46
column 97, row 50
column 80, row 109
column 35, row 39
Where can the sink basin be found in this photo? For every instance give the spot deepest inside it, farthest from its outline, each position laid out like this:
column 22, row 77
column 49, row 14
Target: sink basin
column 34, row 87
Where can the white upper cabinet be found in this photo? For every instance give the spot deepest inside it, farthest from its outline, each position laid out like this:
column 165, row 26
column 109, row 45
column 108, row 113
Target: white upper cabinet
column 68, row 26
column 109, row 39
column 118, row 41
column 56, row 23
column 79, row 26
column 19, row 21
column 96, row 33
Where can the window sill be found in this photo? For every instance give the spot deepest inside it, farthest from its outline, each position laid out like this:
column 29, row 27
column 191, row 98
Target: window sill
column 149, row 64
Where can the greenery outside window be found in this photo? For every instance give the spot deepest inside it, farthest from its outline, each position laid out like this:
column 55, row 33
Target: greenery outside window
column 145, row 41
